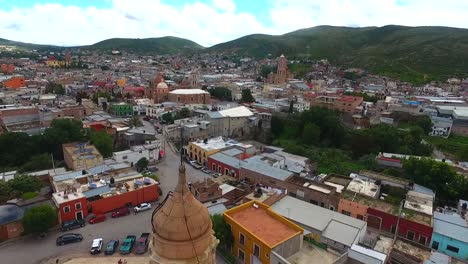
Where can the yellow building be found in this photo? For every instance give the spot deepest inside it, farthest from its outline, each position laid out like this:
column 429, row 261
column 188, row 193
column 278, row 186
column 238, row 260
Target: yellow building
column 200, row 150
column 121, row 82
column 56, row 63
column 81, row 155
column 258, row 230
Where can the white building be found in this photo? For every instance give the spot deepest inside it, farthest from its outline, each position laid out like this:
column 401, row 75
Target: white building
column 149, row 151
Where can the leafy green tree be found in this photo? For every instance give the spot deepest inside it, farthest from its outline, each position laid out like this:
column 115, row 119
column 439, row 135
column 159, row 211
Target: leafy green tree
column 142, row 164
column 265, row 70
column 5, row 191
column 39, row 219
column 247, row 96
column 222, row 231
column 276, row 125
column 221, row 93
column 105, row 68
column 425, row 123
column 291, row 107
column 16, row 148
column 135, row 121
column 183, row 113
column 38, row 162
column 386, row 137
column 101, row 94
column 23, row 183
column 167, row 118
column 55, row 88
column 102, row 141
column 311, row 134
column 62, row 131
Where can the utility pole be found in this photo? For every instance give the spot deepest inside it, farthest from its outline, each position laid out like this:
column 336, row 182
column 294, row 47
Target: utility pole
column 402, row 203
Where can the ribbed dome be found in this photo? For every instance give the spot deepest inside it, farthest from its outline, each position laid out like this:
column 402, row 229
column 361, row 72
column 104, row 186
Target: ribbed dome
column 182, row 226
column 162, row 85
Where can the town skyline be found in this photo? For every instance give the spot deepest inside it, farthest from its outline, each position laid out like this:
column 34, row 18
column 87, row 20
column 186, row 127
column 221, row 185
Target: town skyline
column 207, row 22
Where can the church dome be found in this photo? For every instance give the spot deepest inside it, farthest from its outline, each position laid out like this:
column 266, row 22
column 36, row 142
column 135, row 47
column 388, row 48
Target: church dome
column 182, row 227
column 162, row 85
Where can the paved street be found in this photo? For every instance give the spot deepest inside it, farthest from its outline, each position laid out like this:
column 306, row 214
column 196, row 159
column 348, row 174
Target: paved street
column 30, row 250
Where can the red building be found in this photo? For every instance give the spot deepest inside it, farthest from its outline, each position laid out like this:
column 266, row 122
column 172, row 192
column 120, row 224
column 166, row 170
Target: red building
column 7, row 68
column 225, row 164
column 99, row 199
column 418, row 230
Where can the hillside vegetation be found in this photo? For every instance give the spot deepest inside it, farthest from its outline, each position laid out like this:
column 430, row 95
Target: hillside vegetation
column 164, row 45
column 416, row 54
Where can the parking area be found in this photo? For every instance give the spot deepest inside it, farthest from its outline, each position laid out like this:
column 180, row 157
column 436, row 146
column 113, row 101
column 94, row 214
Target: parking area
column 45, row 250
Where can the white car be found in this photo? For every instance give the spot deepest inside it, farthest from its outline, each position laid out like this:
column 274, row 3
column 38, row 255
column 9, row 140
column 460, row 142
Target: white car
column 142, row 207
column 196, row 165
column 96, row 246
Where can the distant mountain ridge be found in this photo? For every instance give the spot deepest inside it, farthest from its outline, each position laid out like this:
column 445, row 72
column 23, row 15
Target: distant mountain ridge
column 416, row 54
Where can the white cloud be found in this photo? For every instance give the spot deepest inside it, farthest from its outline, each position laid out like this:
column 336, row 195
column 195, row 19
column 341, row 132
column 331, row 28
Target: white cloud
column 217, row 21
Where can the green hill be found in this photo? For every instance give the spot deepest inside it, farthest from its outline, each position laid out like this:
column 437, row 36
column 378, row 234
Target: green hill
column 164, row 45
column 416, row 54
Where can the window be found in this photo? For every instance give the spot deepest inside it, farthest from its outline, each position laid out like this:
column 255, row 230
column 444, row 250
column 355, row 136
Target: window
column 360, row 217
column 322, row 204
column 452, row 248
column 256, row 251
column 78, row 206
column 241, row 239
column 66, row 209
column 124, row 157
column 313, row 202
column 226, row 172
column 422, row 240
column 214, row 167
column 393, row 229
column 241, row 255
column 410, row 235
column 435, row 245
column 346, row 212
column 332, row 208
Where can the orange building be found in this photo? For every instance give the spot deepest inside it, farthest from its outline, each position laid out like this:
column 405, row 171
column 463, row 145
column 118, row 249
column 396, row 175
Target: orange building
column 7, row 68
column 258, row 230
column 342, row 103
column 353, row 209
column 15, row 83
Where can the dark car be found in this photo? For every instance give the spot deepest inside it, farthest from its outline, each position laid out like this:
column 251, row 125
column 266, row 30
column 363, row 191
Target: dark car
column 111, row 247
column 69, row 225
column 120, row 212
column 68, row 238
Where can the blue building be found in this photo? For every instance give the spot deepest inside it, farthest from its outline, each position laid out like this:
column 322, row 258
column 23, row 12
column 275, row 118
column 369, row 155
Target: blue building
column 450, row 235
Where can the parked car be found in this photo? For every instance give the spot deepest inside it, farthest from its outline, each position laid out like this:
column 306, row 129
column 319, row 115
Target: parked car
column 141, row 245
column 216, row 175
column 111, row 247
column 120, row 212
column 127, row 244
column 153, row 168
column 206, row 170
column 142, row 207
column 96, row 246
column 68, row 238
column 97, row 218
column 69, row 225
column 196, row 165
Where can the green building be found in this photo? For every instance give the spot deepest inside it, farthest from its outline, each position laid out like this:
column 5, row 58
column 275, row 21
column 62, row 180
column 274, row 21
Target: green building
column 122, row 109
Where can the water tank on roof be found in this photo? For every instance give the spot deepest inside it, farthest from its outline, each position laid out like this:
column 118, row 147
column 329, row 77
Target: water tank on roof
column 138, row 182
column 92, row 186
column 147, row 181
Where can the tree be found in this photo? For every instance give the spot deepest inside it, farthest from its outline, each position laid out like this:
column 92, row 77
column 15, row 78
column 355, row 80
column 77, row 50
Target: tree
column 221, row 93
column 23, row 183
column 135, row 121
column 62, row 131
column 222, row 231
column 102, row 141
column 183, row 113
column 38, row 162
column 291, row 107
column 425, row 123
column 55, row 88
column 167, row 118
column 5, row 191
column 105, row 68
column 311, row 134
column 39, row 219
column 80, row 96
column 247, row 96
column 142, row 164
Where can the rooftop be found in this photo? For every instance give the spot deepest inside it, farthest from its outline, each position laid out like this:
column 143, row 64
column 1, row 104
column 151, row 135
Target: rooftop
column 364, row 186
column 188, row 91
column 256, row 164
column 262, row 222
column 312, row 254
column 212, row 144
column 451, row 225
column 336, row 226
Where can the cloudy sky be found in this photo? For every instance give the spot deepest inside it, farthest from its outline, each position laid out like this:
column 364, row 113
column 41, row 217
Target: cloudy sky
column 209, row 22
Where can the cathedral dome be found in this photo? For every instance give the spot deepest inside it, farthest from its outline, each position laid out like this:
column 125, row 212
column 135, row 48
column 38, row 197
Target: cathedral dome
column 182, row 227
column 162, row 85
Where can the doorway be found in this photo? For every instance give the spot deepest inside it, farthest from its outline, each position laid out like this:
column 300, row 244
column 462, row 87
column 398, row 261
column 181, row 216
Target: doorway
column 79, row 215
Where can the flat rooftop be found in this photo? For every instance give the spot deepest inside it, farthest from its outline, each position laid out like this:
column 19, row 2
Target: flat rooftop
column 312, row 254
column 263, row 224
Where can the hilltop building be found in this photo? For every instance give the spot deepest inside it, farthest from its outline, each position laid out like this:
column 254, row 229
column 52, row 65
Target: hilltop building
column 80, row 156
